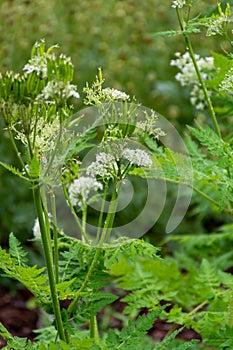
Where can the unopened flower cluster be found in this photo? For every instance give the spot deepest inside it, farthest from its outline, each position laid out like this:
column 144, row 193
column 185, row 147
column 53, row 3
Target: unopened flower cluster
column 96, row 95
column 217, row 22
column 56, row 89
column 43, row 139
column 149, row 125
column 188, row 77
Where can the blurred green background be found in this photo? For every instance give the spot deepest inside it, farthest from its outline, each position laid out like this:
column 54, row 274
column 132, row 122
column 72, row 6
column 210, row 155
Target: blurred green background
column 116, row 35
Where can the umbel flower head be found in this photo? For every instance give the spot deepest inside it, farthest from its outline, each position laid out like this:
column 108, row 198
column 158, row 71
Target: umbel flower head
column 138, row 157
column 82, row 188
column 188, row 77
column 59, row 89
column 111, row 165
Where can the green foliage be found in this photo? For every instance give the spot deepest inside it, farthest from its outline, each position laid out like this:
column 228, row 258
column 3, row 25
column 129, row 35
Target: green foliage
column 13, row 265
column 16, row 251
column 132, row 337
column 192, row 279
column 13, row 170
column 168, row 342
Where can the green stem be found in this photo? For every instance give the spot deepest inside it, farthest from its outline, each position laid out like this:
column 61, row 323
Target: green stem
column 16, row 149
column 201, row 81
column 201, row 193
column 94, row 329
column 191, row 313
column 75, row 300
column 55, row 236
column 107, row 226
column 110, row 217
column 84, row 221
column 100, row 220
column 230, row 311
column 49, row 263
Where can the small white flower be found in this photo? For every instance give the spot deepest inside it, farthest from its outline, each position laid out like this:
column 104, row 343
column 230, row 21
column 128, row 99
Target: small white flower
column 114, row 94
column 188, row 77
column 137, row 156
column 36, row 227
column 59, row 89
column 197, row 98
column 187, row 74
column 44, row 136
column 81, row 188
column 37, row 64
column 178, row 3
column 227, row 83
column 148, row 125
column 104, row 166
column 217, row 22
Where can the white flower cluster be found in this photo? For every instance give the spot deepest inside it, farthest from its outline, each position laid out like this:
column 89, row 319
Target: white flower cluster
column 197, row 98
column 59, row 89
column 227, row 83
column 114, row 94
column 216, row 23
column 104, row 166
column 178, row 3
column 187, row 74
column 188, row 77
column 137, row 156
column 37, row 64
column 80, row 190
column 149, row 125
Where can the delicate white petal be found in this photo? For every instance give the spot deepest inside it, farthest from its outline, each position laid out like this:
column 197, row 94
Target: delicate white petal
column 137, row 156
column 81, row 188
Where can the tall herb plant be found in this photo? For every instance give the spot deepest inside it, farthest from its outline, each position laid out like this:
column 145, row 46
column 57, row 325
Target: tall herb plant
column 37, row 112
column 195, row 283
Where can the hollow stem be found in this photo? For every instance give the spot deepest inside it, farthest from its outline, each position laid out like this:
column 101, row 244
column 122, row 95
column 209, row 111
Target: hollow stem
column 49, row 263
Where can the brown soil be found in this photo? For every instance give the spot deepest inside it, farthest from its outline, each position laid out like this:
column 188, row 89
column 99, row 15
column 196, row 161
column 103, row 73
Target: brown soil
column 15, row 314
column 20, row 321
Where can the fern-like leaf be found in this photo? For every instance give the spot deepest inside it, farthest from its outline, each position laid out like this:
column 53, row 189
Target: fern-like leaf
column 31, row 277
column 134, row 335
column 168, row 342
column 14, row 171
column 34, row 279
column 16, row 250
